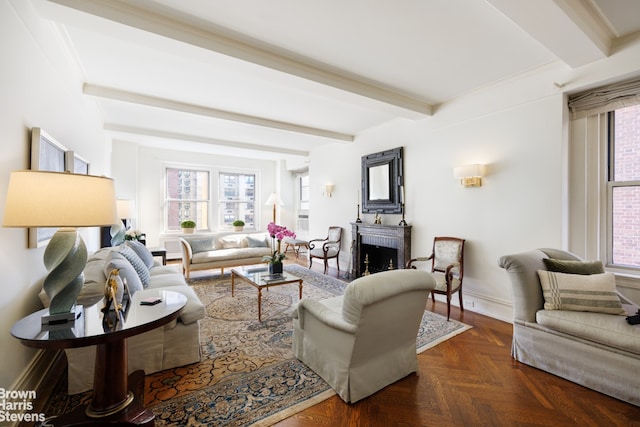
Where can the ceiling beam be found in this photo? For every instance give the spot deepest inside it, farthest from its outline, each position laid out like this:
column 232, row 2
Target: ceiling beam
column 132, row 130
column 169, row 104
column 196, row 34
column 572, row 29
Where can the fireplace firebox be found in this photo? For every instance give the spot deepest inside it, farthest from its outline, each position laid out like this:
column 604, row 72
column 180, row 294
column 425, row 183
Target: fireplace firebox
column 382, row 246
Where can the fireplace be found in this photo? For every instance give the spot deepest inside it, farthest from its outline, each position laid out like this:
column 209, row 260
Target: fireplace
column 382, row 246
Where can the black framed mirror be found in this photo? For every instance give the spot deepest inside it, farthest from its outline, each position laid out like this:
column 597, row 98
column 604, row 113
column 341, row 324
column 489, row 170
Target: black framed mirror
column 382, row 179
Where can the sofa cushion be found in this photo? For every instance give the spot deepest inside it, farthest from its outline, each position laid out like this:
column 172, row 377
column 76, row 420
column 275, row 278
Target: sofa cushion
column 127, row 272
column 193, row 310
column 142, row 251
column 601, row 328
column 578, row 292
column 229, row 254
column 573, row 267
column 137, row 263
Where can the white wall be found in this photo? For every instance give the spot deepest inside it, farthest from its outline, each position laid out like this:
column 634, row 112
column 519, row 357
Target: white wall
column 139, row 175
column 518, row 128
column 38, row 90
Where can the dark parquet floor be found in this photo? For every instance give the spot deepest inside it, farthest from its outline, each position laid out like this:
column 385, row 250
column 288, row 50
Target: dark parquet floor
column 471, row 380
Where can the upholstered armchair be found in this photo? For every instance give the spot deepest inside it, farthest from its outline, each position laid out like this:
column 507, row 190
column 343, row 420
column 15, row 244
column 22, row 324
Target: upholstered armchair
column 327, row 248
column 447, row 266
column 365, row 339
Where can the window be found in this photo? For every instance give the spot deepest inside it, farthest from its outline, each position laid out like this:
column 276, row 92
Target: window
column 237, row 199
column 187, row 197
column 624, row 186
column 603, row 174
column 302, row 225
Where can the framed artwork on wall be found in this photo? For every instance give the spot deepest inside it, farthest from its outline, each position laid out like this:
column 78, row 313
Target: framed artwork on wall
column 74, row 163
column 47, row 154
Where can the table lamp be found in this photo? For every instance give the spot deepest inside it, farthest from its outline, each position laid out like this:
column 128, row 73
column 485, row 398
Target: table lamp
column 65, row 200
column 124, row 209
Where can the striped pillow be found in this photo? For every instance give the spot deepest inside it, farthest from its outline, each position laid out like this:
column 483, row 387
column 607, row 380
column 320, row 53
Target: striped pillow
column 579, row 292
column 138, row 265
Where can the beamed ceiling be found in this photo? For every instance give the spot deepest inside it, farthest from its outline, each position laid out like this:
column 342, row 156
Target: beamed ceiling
column 274, row 79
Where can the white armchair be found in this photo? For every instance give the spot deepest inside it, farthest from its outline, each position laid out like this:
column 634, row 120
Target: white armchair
column 366, row 339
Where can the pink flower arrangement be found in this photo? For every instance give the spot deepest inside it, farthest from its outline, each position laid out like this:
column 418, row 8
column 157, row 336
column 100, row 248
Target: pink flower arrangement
column 277, row 232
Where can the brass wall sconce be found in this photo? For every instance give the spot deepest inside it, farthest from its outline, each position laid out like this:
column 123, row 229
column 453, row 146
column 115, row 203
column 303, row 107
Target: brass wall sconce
column 469, row 175
column 328, row 190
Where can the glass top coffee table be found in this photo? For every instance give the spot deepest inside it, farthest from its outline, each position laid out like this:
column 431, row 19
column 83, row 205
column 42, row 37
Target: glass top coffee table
column 259, row 277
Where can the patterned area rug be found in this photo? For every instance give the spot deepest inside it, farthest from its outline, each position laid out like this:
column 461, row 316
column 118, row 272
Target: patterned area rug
column 248, row 375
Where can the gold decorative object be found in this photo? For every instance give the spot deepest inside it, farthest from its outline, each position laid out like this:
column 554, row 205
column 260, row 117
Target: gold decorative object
column 111, row 317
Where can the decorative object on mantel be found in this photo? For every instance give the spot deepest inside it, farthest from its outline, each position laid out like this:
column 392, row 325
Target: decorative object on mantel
column 188, row 226
column 378, row 219
column 358, row 220
column 277, row 232
column 402, row 223
column 65, row 200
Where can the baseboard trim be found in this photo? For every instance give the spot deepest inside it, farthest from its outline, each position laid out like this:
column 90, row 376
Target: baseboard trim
column 481, row 304
column 37, row 377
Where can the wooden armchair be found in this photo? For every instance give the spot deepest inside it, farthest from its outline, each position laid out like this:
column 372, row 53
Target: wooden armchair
column 447, row 266
column 326, row 248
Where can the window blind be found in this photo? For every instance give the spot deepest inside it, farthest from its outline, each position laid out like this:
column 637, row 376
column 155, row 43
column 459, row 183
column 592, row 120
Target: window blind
column 605, row 98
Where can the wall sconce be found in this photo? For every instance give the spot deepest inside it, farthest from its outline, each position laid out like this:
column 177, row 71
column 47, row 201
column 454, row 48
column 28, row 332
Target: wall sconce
column 469, row 175
column 328, row 190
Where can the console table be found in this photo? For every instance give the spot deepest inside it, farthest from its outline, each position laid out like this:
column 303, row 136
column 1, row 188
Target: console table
column 117, row 398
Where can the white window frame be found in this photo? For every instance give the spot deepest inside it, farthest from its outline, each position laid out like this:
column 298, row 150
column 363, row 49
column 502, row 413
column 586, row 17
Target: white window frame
column 257, row 208
column 190, row 167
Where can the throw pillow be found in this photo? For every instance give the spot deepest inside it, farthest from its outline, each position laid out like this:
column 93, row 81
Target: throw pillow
column 579, row 292
column 142, row 251
column 127, row 271
column 137, row 263
column 231, row 243
column 256, row 242
column 573, row 267
column 200, row 245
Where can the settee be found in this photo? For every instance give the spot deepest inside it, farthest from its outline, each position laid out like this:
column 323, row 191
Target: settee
column 223, row 250
column 175, row 344
column 597, row 348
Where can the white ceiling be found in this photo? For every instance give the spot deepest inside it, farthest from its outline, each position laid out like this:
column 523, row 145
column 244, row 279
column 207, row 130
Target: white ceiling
column 274, row 79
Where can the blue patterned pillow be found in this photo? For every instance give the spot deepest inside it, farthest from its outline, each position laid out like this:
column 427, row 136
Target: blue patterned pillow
column 138, row 265
column 142, row 251
column 256, row 242
column 127, row 272
column 201, row 245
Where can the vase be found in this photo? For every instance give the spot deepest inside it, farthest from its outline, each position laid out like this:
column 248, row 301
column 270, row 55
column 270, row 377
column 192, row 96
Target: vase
column 188, row 230
column 275, row 268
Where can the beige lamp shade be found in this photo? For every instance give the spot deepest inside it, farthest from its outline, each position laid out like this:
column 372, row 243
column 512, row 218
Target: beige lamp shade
column 124, row 208
column 468, row 171
column 59, row 199
column 274, row 200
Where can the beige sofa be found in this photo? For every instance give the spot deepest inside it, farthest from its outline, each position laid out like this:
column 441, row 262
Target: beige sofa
column 175, row 344
column 223, row 250
column 597, row 350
